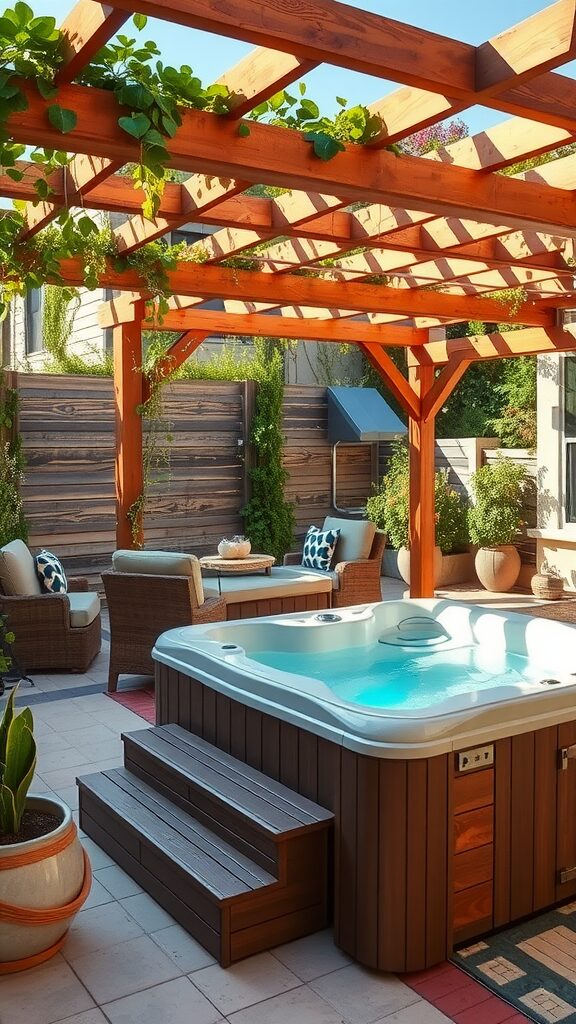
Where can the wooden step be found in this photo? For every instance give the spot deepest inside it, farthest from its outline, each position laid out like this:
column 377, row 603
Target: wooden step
column 241, row 804
column 233, row 903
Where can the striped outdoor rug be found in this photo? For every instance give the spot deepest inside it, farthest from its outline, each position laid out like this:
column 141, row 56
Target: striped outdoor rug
column 532, row 966
column 141, row 702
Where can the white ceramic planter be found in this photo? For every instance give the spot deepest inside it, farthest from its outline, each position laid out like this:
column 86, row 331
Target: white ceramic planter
column 404, row 564
column 234, row 548
column 52, row 881
column 497, row 568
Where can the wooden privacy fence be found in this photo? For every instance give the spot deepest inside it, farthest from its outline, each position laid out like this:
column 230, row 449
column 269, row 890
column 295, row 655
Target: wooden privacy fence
column 67, row 429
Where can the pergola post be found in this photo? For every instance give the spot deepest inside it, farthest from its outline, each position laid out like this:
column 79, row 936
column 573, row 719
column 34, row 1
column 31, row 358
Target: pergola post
column 421, row 451
column 128, row 393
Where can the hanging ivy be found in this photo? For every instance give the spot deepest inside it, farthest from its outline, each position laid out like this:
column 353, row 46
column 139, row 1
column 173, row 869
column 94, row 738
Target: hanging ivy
column 327, row 135
column 12, row 521
column 151, row 97
column 268, row 517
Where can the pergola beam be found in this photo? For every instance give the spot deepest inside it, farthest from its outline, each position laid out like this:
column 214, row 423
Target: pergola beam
column 86, row 29
column 254, row 324
column 214, row 282
column 210, row 144
column 381, row 47
column 394, row 379
column 528, row 342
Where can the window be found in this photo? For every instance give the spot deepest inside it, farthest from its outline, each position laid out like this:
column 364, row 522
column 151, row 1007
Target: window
column 33, row 322
column 109, row 293
column 185, row 235
column 570, row 437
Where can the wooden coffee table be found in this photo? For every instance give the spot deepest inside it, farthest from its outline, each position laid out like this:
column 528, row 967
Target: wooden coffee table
column 250, row 564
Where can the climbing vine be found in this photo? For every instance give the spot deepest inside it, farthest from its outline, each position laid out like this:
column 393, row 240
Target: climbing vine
column 268, row 517
column 12, row 521
column 151, row 98
column 156, row 448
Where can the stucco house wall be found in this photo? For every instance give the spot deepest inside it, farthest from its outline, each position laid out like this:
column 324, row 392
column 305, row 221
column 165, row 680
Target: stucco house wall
column 556, row 470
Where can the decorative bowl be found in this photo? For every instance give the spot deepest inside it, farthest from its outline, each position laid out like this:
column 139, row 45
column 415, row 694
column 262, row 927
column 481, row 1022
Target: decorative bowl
column 238, row 547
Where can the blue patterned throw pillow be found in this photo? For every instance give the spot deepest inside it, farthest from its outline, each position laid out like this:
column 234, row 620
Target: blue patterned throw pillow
column 319, row 548
column 50, row 573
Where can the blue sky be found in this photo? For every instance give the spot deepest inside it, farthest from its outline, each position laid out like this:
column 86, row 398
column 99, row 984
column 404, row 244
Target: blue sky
column 461, row 19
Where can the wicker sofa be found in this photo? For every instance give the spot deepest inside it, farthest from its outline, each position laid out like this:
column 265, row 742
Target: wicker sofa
column 53, row 631
column 358, row 561
column 149, row 592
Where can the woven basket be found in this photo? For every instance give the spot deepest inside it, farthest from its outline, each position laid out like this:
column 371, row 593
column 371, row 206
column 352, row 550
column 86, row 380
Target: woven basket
column 548, row 588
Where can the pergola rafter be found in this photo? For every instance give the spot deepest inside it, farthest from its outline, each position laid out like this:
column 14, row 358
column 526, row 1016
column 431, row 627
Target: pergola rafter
column 439, row 233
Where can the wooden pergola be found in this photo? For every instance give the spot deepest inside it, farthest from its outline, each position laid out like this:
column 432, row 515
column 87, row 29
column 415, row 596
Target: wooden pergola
column 447, row 229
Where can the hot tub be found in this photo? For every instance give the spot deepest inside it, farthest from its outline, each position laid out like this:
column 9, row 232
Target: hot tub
column 396, row 679
column 441, row 735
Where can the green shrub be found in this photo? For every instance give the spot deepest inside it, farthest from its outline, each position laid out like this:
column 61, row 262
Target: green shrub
column 12, row 521
column 389, row 507
column 496, row 515
column 451, row 515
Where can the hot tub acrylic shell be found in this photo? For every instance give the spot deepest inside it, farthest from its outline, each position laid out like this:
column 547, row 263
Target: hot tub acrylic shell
column 218, row 655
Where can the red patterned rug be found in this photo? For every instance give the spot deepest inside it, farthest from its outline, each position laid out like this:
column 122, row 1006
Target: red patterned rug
column 141, row 702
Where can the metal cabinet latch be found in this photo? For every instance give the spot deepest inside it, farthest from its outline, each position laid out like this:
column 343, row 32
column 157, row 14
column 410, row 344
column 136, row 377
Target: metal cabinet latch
column 567, row 754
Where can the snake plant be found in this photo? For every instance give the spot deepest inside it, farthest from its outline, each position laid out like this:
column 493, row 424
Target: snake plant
column 17, row 765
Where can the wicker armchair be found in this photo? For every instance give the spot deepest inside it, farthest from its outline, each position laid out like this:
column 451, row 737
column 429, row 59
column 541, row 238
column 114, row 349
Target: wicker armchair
column 143, row 605
column 356, row 581
column 45, row 637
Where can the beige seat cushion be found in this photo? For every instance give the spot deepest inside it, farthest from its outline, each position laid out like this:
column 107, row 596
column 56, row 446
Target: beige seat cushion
column 161, row 563
column 283, row 582
column 355, row 540
column 84, row 608
column 330, row 574
column 17, row 571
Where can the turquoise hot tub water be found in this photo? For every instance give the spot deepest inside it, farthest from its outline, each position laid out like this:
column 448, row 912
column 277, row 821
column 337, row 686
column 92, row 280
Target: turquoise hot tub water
column 380, row 676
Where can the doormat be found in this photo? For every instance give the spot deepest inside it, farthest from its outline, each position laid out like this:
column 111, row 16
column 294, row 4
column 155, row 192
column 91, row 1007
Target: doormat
column 563, row 610
column 532, row 965
column 141, row 702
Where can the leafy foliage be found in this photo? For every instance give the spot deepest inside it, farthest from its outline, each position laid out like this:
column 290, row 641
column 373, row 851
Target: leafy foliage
column 12, row 522
column 451, row 515
column 6, row 637
column 327, row 135
column 17, row 765
column 153, row 96
column 268, row 518
column 496, row 515
column 516, row 423
column 389, row 506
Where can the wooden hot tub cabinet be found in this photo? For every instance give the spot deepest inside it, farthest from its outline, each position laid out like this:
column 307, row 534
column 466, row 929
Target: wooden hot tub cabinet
column 424, row 857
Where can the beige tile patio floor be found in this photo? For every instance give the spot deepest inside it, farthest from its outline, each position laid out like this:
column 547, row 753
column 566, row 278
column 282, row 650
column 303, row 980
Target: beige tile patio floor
column 126, row 961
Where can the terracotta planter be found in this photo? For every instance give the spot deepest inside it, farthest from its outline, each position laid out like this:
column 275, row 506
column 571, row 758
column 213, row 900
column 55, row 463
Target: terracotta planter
column 497, row 568
column 43, row 884
column 404, row 564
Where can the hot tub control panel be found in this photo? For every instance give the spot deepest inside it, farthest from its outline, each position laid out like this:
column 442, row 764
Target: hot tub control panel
column 477, row 757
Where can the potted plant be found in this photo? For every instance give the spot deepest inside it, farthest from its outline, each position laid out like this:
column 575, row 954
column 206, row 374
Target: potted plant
column 389, row 508
column 45, row 874
column 494, row 521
